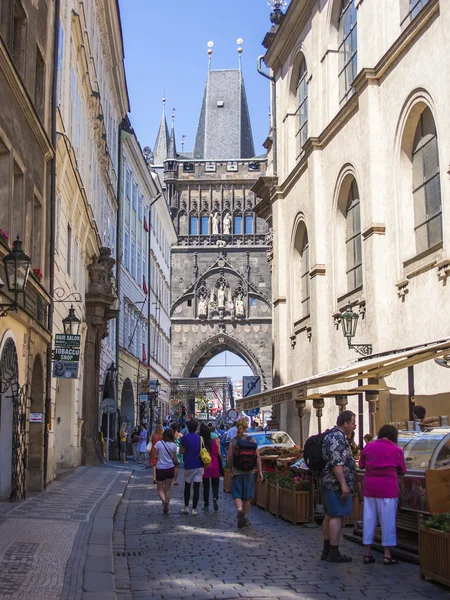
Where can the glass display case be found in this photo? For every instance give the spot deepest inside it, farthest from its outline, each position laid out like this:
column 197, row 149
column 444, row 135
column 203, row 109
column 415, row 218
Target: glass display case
column 427, row 450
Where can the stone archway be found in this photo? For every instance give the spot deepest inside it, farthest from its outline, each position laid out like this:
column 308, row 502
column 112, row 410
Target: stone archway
column 127, row 403
column 214, row 345
column 36, row 431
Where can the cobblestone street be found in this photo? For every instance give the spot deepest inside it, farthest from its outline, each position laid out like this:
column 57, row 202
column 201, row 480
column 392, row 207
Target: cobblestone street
column 182, row 556
column 46, row 539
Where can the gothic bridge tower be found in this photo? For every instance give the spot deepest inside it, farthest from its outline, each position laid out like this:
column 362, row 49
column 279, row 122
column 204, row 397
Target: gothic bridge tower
column 221, row 282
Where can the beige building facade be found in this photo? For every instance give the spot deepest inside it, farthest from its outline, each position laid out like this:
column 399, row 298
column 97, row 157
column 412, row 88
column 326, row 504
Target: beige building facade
column 358, row 195
column 92, row 101
column 26, row 58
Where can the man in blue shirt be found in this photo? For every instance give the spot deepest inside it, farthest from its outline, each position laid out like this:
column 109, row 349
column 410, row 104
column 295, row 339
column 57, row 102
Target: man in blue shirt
column 193, row 465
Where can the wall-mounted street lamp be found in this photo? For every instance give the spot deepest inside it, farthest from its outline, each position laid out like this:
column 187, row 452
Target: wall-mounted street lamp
column 71, row 323
column 349, row 322
column 17, row 268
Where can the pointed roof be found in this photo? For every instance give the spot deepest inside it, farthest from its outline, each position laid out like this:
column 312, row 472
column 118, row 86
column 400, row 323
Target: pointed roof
column 224, row 129
column 161, row 148
column 172, row 151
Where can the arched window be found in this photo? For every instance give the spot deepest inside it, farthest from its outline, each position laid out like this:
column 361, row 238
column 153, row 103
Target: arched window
column 302, row 110
column 426, row 184
column 193, row 225
column 248, row 223
column 305, row 292
column 237, row 223
column 347, row 48
column 353, row 239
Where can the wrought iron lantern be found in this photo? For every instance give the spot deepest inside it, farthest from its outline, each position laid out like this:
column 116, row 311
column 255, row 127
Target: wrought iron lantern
column 17, row 269
column 71, row 323
column 349, row 322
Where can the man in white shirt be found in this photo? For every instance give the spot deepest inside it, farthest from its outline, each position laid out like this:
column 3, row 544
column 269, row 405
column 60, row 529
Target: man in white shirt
column 231, row 433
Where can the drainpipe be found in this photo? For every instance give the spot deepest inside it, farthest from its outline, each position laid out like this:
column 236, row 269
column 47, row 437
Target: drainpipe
column 48, row 379
column 274, row 110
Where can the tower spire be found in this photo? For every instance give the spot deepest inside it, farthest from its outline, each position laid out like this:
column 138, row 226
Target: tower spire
column 162, row 139
column 172, row 151
column 239, row 42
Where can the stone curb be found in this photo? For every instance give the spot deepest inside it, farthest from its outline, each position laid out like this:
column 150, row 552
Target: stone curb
column 98, row 573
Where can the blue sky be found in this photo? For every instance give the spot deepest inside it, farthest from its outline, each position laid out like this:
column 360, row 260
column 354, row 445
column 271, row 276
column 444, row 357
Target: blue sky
column 165, row 48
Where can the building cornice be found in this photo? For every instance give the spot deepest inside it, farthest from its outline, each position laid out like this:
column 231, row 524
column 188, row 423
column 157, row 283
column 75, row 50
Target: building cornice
column 8, row 69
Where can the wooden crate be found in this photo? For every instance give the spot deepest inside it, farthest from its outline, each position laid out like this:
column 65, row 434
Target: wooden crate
column 262, row 493
column 274, row 496
column 357, row 511
column 294, row 505
column 434, row 555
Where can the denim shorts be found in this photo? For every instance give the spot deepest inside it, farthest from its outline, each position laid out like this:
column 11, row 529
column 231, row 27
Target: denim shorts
column 243, row 486
column 336, row 506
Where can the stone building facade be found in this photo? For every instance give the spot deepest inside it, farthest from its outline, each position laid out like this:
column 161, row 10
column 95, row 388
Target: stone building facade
column 221, row 285
column 26, row 59
column 358, row 193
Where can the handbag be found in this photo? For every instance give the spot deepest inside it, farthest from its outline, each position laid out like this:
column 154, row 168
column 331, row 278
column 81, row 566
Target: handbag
column 205, row 456
column 149, row 446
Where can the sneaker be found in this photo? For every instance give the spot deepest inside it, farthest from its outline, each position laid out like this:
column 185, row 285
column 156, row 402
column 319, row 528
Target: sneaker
column 246, row 522
column 339, row 558
column 206, row 508
column 166, row 507
column 186, row 510
column 194, row 512
column 240, row 519
column 216, row 504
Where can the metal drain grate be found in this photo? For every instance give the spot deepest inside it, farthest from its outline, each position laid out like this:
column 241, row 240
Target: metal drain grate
column 130, row 553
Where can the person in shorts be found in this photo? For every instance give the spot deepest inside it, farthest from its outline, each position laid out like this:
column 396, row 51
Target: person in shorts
column 193, row 466
column 337, row 482
column 242, row 482
column 166, row 453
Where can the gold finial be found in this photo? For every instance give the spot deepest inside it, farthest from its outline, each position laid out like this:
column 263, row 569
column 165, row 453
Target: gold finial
column 239, row 42
column 210, row 48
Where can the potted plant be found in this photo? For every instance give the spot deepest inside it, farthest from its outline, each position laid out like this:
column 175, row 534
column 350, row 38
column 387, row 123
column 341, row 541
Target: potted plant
column 294, row 496
column 37, row 274
column 4, row 237
column 271, row 475
column 227, row 479
column 434, row 548
column 261, row 491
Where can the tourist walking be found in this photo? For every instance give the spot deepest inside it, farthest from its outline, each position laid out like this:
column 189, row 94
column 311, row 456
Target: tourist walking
column 153, row 458
column 193, row 466
column 166, row 462
column 123, row 443
column 337, row 481
column 383, row 462
column 142, row 444
column 211, row 474
column 243, row 457
column 177, row 438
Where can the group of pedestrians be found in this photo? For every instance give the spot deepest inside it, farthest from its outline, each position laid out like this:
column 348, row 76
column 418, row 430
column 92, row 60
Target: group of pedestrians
column 166, row 454
column 383, row 461
column 138, row 440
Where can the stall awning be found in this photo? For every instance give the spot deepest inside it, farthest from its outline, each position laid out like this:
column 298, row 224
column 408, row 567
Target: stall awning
column 375, row 366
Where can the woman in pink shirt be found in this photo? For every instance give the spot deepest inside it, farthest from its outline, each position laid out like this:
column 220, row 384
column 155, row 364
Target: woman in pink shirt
column 383, row 461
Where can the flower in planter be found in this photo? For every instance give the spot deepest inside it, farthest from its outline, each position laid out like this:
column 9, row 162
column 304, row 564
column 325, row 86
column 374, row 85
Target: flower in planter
column 37, row 273
column 440, row 522
column 3, row 235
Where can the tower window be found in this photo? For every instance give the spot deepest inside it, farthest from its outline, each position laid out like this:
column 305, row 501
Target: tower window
column 237, row 224
column 204, row 225
column 193, row 226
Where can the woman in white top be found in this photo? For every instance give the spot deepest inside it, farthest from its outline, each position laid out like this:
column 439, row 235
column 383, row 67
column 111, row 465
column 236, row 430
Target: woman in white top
column 166, row 453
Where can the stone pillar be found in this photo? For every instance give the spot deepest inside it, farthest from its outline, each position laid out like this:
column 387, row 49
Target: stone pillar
column 372, row 399
column 101, row 302
column 318, row 404
column 301, row 405
column 342, row 402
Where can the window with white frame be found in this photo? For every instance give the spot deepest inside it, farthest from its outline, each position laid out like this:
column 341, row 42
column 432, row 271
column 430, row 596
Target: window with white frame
column 353, row 239
column 348, row 45
column 426, row 184
column 410, row 9
column 302, row 110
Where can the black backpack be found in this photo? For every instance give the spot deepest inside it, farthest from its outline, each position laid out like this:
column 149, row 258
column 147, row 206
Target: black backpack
column 313, row 451
column 245, row 455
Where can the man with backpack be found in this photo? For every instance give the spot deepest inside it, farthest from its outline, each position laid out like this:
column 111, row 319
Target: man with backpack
column 243, row 457
column 337, row 482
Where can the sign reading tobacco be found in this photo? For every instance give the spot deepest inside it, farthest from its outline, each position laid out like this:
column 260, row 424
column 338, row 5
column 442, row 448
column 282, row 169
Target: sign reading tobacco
column 66, row 356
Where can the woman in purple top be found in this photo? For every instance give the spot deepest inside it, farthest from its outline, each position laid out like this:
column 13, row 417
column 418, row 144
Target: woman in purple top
column 383, row 462
column 211, row 474
column 193, row 466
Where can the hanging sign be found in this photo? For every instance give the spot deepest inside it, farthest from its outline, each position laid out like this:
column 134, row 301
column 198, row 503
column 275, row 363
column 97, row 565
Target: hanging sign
column 36, row 417
column 65, row 370
column 67, row 354
column 67, row 341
